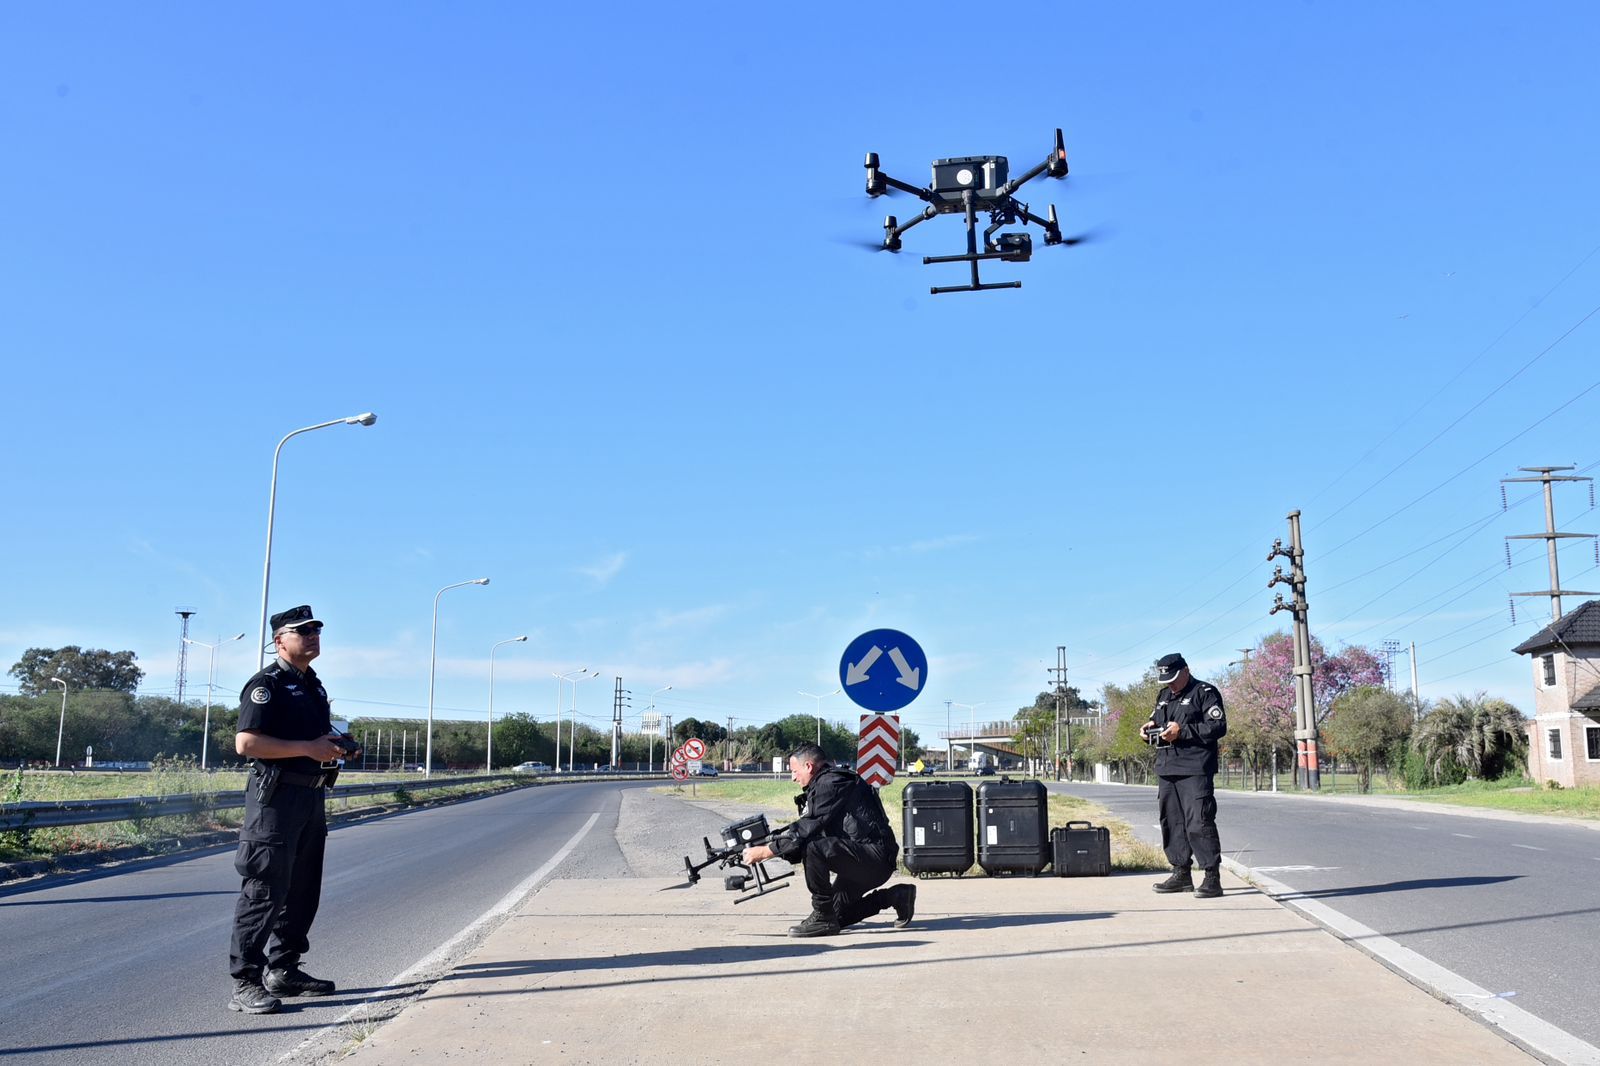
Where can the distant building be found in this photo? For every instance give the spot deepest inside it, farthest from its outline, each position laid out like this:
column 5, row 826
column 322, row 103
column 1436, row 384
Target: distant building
column 1564, row 735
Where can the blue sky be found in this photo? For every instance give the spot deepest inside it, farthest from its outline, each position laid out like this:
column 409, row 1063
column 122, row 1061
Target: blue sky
column 591, row 268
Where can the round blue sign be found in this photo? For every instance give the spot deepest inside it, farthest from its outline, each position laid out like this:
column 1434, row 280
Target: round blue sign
column 883, row 670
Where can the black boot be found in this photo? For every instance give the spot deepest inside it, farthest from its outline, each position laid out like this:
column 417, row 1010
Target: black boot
column 816, row 924
column 1180, row 881
column 296, row 982
column 251, row 998
column 1210, row 885
column 905, row 905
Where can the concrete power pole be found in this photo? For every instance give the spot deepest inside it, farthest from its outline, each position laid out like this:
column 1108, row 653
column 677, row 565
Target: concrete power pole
column 1060, row 672
column 1547, row 474
column 616, row 725
column 1305, row 707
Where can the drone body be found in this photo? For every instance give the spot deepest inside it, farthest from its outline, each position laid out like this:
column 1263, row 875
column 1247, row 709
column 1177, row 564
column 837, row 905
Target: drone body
column 967, row 185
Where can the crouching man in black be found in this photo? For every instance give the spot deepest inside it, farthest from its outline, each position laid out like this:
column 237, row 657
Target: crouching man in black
column 843, row 833
column 285, row 729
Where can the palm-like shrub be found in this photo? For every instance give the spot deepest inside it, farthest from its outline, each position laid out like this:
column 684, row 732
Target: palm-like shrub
column 1471, row 736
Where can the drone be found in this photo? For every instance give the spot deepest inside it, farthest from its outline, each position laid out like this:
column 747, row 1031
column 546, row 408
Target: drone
column 968, row 185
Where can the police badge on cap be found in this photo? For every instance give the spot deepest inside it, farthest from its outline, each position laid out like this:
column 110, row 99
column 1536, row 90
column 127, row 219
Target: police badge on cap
column 294, row 616
column 1168, row 667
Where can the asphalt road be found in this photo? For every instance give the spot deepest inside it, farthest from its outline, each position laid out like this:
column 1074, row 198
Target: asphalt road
column 129, row 965
column 1508, row 905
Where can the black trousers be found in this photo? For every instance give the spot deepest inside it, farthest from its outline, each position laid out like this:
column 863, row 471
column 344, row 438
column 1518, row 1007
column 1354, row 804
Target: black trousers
column 841, row 874
column 280, row 859
column 1189, row 821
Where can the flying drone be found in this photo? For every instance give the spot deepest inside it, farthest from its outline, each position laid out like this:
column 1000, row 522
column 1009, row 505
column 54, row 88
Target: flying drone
column 968, row 185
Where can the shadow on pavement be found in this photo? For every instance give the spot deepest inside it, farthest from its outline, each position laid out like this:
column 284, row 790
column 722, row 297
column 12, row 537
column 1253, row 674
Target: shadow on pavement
column 1398, row 886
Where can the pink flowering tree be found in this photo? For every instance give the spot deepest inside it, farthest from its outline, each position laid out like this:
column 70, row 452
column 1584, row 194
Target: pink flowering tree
column 1260, row 695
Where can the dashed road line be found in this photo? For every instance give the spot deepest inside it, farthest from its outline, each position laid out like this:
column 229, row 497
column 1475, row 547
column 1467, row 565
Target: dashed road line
column 1527, row 847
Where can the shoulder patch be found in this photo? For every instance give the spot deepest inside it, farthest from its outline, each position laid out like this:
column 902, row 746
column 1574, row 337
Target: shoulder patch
column 1215, row 712
column 260, row 694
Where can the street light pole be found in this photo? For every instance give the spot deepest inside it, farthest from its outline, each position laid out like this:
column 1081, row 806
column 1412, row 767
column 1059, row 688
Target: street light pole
column 366, row 419
column 972, row 727
column 652, row 740
column 560, row 678
column 211, row 684
column 819, row 700
column 488, row 759
column 572, row 726
column 62, row 728
column 433, row 649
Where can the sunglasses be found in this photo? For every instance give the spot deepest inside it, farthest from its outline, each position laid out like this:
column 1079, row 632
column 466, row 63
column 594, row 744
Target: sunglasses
column 309, row 629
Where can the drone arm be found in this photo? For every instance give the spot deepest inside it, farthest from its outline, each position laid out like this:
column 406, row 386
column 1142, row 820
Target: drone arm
column 1055, row 163
column 927, row 213
column 896, row 183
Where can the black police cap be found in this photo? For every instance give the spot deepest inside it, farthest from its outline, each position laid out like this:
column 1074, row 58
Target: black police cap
column 1168, row 667
column 294, row 616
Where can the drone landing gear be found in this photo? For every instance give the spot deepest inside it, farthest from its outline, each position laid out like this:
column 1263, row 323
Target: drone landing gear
column 1012, row 249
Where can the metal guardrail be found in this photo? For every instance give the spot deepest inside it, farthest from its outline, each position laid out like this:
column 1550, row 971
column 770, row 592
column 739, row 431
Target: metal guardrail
column 57, row 813
column 53, row 814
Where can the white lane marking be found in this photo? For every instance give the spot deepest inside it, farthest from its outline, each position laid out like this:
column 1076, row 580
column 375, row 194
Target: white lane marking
column 1522, row 1028
column 504, row 906
column 1290, row 869
column 1464, row 836
column 1527, row 847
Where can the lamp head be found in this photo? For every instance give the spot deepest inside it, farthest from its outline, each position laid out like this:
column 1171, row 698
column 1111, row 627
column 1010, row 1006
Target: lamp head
column 480, row 581
column 361, row 420
column 523, row 639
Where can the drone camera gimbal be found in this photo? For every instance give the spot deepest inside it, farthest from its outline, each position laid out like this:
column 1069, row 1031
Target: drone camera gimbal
column 967, row 185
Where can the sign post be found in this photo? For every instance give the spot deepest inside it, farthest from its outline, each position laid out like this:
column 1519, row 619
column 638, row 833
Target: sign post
column 882, row 670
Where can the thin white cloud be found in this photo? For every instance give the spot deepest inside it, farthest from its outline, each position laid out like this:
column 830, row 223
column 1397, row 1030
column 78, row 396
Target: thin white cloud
column 606, row 569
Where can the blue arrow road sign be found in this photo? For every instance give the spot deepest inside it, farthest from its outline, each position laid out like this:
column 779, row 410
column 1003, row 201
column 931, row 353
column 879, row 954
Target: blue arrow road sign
column 883, row 670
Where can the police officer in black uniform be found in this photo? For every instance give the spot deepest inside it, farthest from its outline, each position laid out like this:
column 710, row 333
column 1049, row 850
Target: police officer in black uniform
column 285, row 729
column 1185, row 727
column 844, row 834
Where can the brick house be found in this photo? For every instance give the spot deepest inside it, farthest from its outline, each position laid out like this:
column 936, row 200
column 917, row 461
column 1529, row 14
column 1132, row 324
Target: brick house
column 1564, row 735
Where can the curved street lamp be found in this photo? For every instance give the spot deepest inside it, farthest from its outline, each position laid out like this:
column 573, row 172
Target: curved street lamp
column 819, row 700
column 488, row 760
column 366, row 419
column 433, row 648
column 62, row 728
column 972, row 729
column 572, row 725
column 652, row 740
column 211, row 678
column 561, row 680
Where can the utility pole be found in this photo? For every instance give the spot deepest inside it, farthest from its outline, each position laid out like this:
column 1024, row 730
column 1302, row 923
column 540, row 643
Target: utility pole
column 183, row 650
column 1547, row 474
column 1416, row 697
column 947, row 750
column 616, row 725
column 1305, row 707
column 727, row 746
column 1060, row 672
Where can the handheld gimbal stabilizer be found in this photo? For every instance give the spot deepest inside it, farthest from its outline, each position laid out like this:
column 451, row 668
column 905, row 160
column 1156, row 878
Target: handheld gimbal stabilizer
column 754, row 879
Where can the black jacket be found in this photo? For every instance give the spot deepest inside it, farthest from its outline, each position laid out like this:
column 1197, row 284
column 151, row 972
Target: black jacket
column 837, row 803
column 1201, row 723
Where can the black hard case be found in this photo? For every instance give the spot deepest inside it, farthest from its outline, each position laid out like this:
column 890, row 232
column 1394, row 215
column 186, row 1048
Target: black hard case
column 938, row 836
column 1081, row 849
column 1013, row 830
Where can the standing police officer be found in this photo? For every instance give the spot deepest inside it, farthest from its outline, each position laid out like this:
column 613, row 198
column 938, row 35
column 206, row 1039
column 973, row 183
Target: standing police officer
column 284, row 727
column 1185, row 727
column 844, row 843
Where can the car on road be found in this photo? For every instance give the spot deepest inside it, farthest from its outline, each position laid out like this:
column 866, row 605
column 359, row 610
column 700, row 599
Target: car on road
column 707, row 770
column 531, row 768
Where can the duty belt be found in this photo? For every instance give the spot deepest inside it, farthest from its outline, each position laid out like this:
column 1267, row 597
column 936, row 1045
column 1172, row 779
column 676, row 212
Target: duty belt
column 305, row 780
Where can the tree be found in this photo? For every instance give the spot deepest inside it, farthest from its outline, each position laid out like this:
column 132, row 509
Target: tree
column 1260, row 696
column 1471, row 736
column 79, row 668
column 1364, row 727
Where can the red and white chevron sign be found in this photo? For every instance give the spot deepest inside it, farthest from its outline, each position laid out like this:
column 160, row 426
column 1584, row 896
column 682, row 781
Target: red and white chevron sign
column 878, row 753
